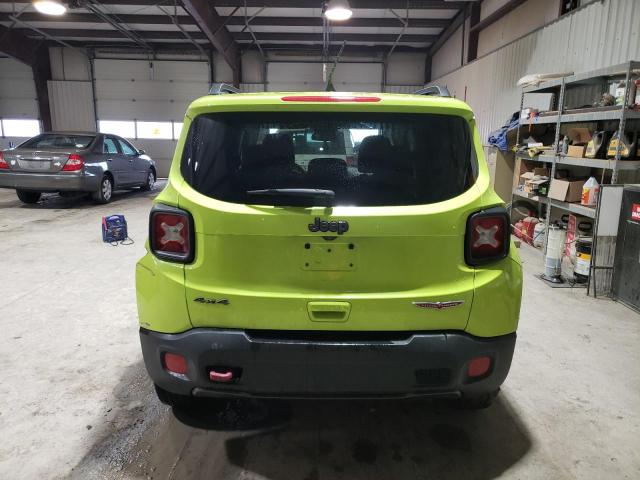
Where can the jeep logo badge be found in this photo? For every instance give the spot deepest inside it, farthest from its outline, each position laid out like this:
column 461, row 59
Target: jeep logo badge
column 340, row 226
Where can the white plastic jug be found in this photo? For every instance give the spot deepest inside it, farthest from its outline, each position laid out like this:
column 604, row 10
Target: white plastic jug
column 590, row 191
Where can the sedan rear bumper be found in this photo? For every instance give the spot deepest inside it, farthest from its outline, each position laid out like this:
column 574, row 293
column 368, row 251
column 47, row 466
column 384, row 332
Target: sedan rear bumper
column 273, row 364
column 49, row 182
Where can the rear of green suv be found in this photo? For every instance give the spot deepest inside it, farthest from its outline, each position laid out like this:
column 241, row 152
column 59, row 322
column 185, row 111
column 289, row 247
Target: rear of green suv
column 272, row 274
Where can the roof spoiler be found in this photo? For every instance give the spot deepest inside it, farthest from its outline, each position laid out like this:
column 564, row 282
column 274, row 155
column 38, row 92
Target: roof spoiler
column 436, row 90
column 222, row 88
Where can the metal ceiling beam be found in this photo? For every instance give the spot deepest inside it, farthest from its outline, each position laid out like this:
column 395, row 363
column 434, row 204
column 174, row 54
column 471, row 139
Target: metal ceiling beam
column 360, row 4
column 160, row 47
column 212, row 25
column 240, row 36
column 35, row 54
column 474, row 19
column 446, row 34
column 263, row 21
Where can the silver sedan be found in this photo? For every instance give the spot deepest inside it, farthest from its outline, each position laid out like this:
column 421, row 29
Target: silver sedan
column 75, row 162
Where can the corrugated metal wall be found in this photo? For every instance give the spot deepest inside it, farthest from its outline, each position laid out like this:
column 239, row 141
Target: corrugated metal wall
column 602, row 33
column 71, row 105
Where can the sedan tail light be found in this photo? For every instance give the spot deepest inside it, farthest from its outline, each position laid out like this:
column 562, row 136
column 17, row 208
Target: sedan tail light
column 3, row 164
column 74, row 163
column 171, row 235
column 487, row 236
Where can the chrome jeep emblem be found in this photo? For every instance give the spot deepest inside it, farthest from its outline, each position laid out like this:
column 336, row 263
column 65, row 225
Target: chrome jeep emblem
column 439, row 305
column 339, row 226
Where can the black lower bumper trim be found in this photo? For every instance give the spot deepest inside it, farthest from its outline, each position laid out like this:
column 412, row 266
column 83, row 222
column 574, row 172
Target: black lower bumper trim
column 360, row 365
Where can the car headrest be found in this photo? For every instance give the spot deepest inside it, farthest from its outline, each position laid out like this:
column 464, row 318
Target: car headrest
column 327, row 166
column 375, row 154
column 278, row 148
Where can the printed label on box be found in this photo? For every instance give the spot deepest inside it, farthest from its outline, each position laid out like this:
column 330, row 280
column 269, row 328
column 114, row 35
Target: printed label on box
column 635, row 211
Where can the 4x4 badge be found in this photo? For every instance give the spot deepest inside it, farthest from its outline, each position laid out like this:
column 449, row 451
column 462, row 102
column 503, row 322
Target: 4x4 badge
column 211, row 301
column 339, row 226
column 439, row 305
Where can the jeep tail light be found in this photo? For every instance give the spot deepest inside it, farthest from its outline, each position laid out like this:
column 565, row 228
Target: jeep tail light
column 478, row 367
column 175, row 364
column 171, row 234
column 74, row 163
column 3, row 164
column 487, row 236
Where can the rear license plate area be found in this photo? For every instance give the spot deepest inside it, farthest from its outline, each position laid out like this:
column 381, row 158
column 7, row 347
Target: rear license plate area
column 329, row 257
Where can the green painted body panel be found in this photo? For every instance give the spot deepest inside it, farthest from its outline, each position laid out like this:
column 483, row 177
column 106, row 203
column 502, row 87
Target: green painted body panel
column 367, row 279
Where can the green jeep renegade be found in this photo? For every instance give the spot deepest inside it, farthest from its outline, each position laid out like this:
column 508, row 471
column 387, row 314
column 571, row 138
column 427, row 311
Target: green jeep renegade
column 328, row 245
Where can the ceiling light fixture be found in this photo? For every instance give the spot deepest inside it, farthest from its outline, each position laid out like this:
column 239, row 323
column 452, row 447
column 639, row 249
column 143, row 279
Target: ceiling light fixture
column 50, row 7
column 338, row 10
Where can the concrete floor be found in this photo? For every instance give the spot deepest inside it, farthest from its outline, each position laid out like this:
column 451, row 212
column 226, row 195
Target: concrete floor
column 75, row 401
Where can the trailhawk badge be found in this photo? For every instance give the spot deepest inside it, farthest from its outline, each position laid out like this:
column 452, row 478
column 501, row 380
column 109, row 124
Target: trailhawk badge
column 439, row 305
column 339, row 226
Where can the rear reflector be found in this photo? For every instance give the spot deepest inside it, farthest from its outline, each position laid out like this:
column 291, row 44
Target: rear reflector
column 478, row 367
column 175, row 363
column 171, row 234
column 487, row 236
column 74, row 163
column 332, row 98
column 3, row 165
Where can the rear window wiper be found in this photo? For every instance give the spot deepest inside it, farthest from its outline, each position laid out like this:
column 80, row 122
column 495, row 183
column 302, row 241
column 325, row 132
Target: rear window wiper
column 307, row 197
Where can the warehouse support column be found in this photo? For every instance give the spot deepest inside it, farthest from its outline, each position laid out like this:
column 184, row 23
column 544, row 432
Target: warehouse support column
column 41, row 68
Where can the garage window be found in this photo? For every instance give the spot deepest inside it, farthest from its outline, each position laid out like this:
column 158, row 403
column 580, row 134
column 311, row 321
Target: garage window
column 157, row 130
column 20, row 128
column 365, row 159
column 122, row 128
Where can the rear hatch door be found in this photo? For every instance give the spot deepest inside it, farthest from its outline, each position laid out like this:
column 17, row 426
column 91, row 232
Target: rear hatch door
column 386, row 254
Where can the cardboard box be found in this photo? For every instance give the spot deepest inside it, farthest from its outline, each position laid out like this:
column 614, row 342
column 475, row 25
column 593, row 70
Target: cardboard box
column 576, row 151
column 579, row 138
column 566, row 190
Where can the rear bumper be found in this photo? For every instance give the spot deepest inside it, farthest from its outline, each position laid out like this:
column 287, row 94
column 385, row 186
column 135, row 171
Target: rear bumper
column 274, row 364
column 49, row 182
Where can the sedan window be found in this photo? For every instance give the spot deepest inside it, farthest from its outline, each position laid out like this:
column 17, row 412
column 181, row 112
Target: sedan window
column 109, row 146
column 126, row 148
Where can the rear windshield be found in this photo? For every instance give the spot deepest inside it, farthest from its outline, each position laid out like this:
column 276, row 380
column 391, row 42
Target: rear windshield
column 50, row 140
column 365, row 159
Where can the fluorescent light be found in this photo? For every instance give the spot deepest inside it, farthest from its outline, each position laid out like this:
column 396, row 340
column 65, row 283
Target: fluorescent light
column 50, row 7
column 338, row 10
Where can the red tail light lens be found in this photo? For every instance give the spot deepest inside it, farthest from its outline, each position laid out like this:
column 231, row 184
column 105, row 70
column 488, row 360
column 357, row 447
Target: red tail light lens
column 487, row 236
column 171, row 234
column 351, row 161
column 329, row 99
column 3, row 165
column 74, row 163
column 175, row 364
column 478, row 367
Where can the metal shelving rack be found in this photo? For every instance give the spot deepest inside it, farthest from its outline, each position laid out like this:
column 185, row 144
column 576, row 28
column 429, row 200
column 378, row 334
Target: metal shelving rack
column 621, row 114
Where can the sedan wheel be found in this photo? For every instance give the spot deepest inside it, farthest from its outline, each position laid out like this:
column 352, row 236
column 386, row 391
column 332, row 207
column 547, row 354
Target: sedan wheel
column 104, row 193
column 26, row 196
column 151, row 181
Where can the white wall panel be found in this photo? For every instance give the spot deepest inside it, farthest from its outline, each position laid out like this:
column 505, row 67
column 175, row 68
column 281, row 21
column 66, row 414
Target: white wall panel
column 17, row 90
column 294, row 77
column 71, row 105
column 406, row 69
column 597, row 35
column 69, row 64
column 449, row 56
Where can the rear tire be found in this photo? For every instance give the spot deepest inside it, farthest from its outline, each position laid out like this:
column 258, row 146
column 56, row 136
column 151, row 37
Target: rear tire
column 151, row 180
column 105, row 190
column 26, row 196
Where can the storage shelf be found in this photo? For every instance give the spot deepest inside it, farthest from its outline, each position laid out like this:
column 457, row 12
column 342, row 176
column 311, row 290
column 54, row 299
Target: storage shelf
column 568, row 207
column 583, row 116
column 585, row 78
column 583, row 162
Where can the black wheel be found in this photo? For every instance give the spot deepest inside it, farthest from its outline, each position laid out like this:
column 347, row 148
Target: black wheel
column 105, row 190
column 28, row 197
column 475, row 402
column 151, row 180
